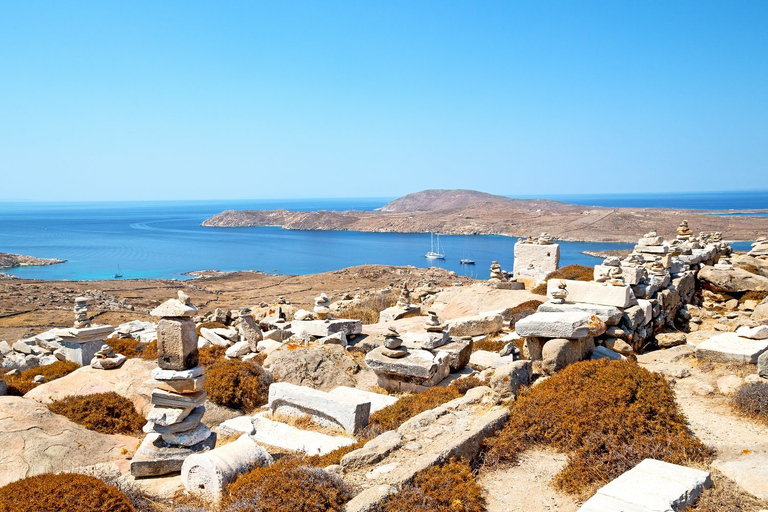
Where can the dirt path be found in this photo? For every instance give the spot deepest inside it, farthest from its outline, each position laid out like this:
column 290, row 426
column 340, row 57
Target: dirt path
column 527, row 485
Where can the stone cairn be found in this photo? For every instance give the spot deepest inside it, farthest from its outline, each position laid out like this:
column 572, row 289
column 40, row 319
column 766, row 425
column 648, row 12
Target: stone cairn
column 684, row 232
column 81, row 313
column 322, row 307
column 173, row 428
column 404, row 301
column 760, row 247
column 432, row 324
column 545, row 239
column 393, row 345
column 106, row 359
column 496, row 273
column 558, row 296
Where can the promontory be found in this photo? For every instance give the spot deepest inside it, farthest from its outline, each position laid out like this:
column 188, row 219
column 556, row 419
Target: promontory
column 468, row 212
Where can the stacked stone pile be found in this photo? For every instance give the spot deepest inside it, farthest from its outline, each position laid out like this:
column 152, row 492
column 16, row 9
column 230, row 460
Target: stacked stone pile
column 174, row 430
column 81, row 313
column 760, row 248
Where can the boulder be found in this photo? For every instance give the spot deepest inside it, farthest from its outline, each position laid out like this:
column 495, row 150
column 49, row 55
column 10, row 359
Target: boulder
column 559, row 353
column 760, row 314
column 729, row 347
column 486, row 323
column 732, row 280
column 619, row 346
column 590, row 292
column 373, row 451
column 349, row 412
column 33, row 441
column 509, row 377
column 321, row 367
column 762, row 365
column 670, row 339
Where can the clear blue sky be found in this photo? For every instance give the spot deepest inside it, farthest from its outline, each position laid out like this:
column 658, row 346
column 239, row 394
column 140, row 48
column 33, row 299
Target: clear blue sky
column 214, row 100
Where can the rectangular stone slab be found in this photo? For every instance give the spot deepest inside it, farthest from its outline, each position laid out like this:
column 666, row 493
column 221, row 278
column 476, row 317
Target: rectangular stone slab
column 730, row 346
column 418, row 363
column 181, row 385
column 176, row 344
column 377, row 400
column 560, row 325
column 291, row 438
column 590, row 292
column 323, row 328
column 168, row 399
column 349, row 412
column 609, row 314
column 650, row 486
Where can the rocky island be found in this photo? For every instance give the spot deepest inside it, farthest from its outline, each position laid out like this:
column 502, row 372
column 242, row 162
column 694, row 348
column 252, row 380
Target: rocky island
column 8, row 260
column 468, row 212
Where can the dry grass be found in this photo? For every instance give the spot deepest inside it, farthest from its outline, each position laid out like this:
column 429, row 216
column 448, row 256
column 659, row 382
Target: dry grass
column 451, row 487
column 489, row 345
column 408, row 406
column 570, row 272
column 65, row 491
column 129, row 347
column 210, row 355
column 753, row 295
column 336, row 455
column 150, row 351
column 752, row 400
column 523, row 310
column 238, row 384
column 287, row 485
column 108, row 413
column 607, row 415
column 306, row 422
column 19, row 385
column 368, row 308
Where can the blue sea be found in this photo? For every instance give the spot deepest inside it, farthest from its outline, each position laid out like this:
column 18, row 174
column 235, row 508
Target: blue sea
column 165, row 239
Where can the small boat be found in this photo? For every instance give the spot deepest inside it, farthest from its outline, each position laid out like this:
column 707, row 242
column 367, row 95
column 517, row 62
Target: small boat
column 434, row 252
column 467, row 262
column 119, row 273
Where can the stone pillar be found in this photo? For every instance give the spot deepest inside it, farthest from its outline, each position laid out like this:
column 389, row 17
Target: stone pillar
column 173, row 428
column 81, row 313
column 533, row 262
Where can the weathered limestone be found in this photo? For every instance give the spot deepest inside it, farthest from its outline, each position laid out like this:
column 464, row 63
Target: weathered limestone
column 509, row 377
column 762, row 365
column 754, row 333
column 206, row 474
column 347, row 412
column 374, row 450
column 650, row 486
column 729, row 347
column 458, row 353
column 482, row 359
column 590, row 292
column 672, row 339
column 732, row 280
column 533, row 262
column 155, row 457
column 248, row 329
column 601, row 352
column 81, row 313
column 280, row 435
column 560, row 325
column 416, row 371
column 377, row 400
column 324, row 328
column 486, row 323
column 177, row 341
column 106, row 359
column 609, row 314
column 174, row 308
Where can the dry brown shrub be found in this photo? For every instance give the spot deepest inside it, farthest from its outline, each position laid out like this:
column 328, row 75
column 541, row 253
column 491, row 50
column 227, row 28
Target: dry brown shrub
column 752, row 400
column 609, row 415
column 523, row 310
column 108, row 413
column 464, row 384
column 750, row 268
column 570, row 272
column 19, row 385
column 150, row 351
column 451, row 487
column 753, row 295
column 238, row 384
column 392, row 416
column 286, row 485
column 127, row 346
column 336, row 455
column 489, row 345
column 368, row 308
column 210, row 355
column 209, row 325
column 65, row 491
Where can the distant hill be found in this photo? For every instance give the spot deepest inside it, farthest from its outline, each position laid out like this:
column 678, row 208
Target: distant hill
column 440, row 199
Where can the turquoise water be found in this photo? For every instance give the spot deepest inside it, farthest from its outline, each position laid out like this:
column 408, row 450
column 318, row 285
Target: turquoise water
column 165, row 240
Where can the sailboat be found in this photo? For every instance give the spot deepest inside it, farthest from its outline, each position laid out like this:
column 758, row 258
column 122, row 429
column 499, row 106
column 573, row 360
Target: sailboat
column 434, row 252
column 119, row 273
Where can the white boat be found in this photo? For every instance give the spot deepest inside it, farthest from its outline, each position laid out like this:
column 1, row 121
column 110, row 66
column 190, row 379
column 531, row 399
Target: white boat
column 434, row 250
column 467, row 262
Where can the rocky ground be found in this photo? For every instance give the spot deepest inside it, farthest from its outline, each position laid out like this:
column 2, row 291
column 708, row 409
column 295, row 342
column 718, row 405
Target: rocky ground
column 8, row 260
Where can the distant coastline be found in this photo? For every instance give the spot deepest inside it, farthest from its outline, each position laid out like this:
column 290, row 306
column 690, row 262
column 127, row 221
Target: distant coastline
column 8, row 260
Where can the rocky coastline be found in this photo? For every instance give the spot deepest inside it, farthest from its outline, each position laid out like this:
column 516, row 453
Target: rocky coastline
column 8, row 260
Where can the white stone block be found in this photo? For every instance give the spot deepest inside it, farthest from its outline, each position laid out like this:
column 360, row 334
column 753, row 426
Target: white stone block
column 533, row 260
column 608, row 314
column 591, row 292
column 323, row 328
column 560, row 325
column 647, row 307
column 729, row 347
column 348, row 411
column 377, row 400
column 754, row 333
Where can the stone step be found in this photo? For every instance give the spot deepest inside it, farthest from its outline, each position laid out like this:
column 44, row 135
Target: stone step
column 651, row 486
column 729, row 347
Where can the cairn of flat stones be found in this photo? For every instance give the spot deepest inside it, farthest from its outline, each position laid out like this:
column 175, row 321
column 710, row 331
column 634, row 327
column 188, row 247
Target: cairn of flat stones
column 496, row 273
column 558, row 296
column 404, row 301
column 545, row 239
column 760, row 248
column 81, row 313
column 173, row 428
column 393, row 345
column 432, row 324
column 684, row 232
column 106, row 359
column 322, row 307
